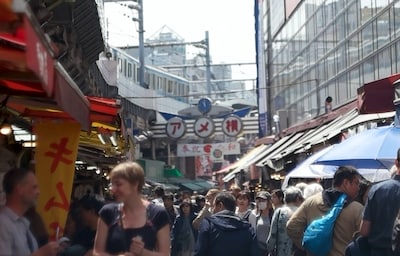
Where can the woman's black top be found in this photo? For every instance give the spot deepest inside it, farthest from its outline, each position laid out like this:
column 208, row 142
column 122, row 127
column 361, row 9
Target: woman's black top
column 119, row 238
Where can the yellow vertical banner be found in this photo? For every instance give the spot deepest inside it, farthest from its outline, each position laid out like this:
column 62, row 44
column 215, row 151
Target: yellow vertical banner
column 55, row 155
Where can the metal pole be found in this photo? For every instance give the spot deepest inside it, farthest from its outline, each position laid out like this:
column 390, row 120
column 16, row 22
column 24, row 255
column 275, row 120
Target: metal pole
column 208, row 70
column 269, row 69
column 141, row 45
column 318, row 96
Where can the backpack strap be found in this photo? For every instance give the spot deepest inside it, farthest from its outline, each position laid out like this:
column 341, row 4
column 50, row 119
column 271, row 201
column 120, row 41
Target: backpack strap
column 247, row 215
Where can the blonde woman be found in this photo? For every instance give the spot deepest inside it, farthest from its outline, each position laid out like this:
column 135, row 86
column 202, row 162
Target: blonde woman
column 133, row 226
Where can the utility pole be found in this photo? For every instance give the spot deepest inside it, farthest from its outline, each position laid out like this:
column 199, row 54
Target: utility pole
column 208, row 69
column 139, row 8
column 141, row 45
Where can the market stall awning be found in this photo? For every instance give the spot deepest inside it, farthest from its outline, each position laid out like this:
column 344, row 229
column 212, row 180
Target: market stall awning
column 30, row 72
column 172, row 173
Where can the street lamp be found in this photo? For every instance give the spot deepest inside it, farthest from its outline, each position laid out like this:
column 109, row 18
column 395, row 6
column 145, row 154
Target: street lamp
column 139, row 8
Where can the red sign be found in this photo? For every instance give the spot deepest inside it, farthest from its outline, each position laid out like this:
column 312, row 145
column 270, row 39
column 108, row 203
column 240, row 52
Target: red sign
column 232, row 125
column 39, row 59
column 175, row 127
column 204, row 127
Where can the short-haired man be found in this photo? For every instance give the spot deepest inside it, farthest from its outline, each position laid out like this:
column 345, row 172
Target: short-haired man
column 345, row 180
column 380, row 212
column 22, row 190
column 224, row 233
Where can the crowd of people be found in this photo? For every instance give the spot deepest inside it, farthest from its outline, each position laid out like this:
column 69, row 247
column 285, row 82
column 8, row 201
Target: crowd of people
column 218, row 223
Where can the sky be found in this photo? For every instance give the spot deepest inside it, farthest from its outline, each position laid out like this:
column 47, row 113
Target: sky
column 230, row 24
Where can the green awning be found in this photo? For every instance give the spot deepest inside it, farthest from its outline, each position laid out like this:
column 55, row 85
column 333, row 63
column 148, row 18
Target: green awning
column 204, row 184
column 168, row 173
column 192, row 186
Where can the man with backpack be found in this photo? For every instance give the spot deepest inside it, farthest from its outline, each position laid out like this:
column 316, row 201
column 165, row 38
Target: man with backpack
column 345, row 181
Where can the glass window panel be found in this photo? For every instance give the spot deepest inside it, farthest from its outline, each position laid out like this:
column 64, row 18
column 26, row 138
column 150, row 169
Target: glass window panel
column 341, row 27
column 320, row 21
column 343, row 89
column 368, row 71
column 341, row 57
column 366, row 10
column 367, row 40
column 354, row 81
column 384, row 63
column 352, row 17
column 393, row 58
column 353, row 50
column 397, row 56
column 330, row 37
column 382, row 25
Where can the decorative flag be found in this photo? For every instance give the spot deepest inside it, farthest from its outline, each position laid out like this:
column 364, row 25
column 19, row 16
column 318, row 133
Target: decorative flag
column 56, row 151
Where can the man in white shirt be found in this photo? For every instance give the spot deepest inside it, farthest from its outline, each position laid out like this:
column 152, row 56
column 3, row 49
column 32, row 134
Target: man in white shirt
column 22, row 190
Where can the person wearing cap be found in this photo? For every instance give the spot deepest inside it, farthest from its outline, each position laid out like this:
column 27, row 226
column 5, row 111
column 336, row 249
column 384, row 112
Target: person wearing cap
column 278, row 241
column 263, row 204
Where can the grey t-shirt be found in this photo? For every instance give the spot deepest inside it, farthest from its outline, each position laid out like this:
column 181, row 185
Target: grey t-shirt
column 15, row 236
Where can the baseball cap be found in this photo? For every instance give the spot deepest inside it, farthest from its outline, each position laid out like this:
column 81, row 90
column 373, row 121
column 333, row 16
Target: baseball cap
column 263, row 195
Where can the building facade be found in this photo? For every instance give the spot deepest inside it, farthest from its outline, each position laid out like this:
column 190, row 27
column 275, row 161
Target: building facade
column 318, row 51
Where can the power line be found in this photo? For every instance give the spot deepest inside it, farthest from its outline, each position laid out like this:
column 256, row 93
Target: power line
column 220, row 93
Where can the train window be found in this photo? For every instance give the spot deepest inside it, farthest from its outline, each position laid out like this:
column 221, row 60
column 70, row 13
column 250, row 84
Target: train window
column 137, row 76
column 120, row 64
column 134, row 72
column 129, row 70
column 164, row 84
column 125, row 67
column 159, row 83
column 170, row 86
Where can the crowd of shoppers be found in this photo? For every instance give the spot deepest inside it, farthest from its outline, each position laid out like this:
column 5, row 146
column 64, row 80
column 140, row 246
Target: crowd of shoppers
column 219, row 223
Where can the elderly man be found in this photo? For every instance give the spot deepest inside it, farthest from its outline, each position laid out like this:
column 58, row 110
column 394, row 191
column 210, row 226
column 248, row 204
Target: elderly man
column 22, row 191
column 224, row 233
column 380, row 212
column 345, row 180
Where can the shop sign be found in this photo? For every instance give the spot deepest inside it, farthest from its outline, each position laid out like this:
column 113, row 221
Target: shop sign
column 176, row 127
column 204, row 127
column 220, row 149
column 232, row 125
column 39, row 59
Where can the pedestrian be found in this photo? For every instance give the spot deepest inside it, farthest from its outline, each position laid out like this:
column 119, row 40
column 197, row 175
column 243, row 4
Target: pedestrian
column 224, row 233
column 243, row 210
column 263, row 219
column 381, row 209
column 345, row 180
column 22, row 191
column 278, row 241
column 277, row 198
column 159, row 194
column 83, row 240
column 207, row 209
column 171, row 209
column 132, row 224
column 235, row 190
column 183, row 234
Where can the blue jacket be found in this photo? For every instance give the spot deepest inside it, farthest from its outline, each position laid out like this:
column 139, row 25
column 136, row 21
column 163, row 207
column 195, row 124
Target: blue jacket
column 224, row 233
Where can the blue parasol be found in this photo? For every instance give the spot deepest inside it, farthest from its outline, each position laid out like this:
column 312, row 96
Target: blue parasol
column 372, row 149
